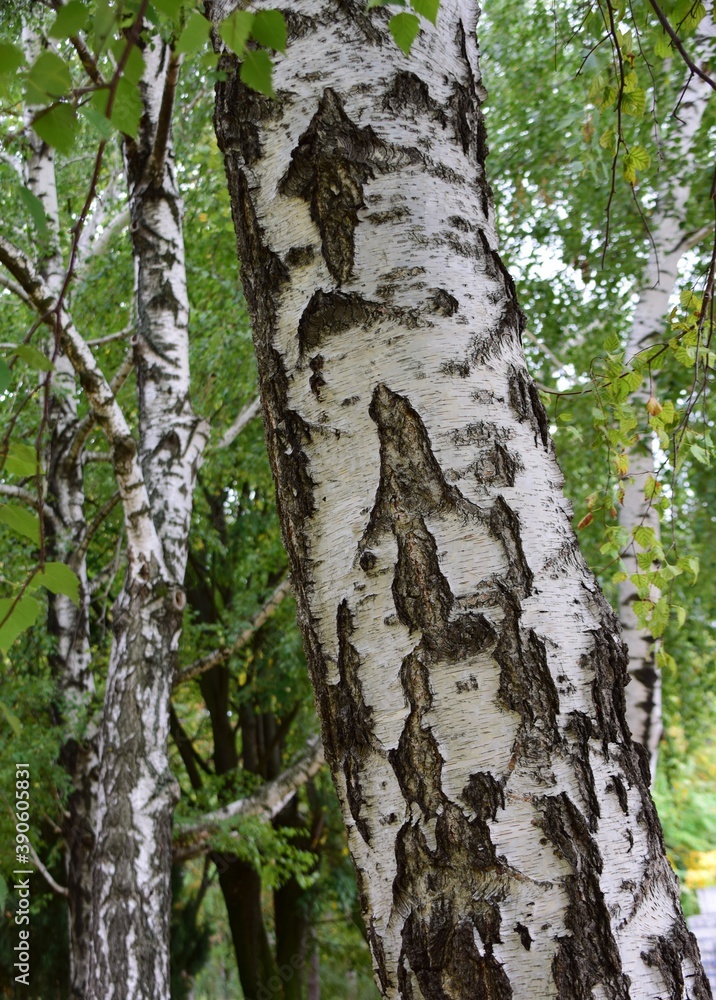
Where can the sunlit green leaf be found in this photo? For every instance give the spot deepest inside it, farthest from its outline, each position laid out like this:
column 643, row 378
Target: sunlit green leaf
column 195, row 33
column 22, row 521
column 17, row 616
column 404, row 28
column 269, row 29
column 235, row 31
column 58, row 578
column 11, row 58
column 21, row 459
column 256, row 72
column 70, row 20
column 57, row 126
column 428, row 8
column 49, row 76
column 34, row 358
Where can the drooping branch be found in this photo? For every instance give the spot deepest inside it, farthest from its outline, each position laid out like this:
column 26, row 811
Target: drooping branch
column 245, row 417
column 60, row 890
column 679, row 45
column 222, row 654
column 193, row 839
column 141, row 532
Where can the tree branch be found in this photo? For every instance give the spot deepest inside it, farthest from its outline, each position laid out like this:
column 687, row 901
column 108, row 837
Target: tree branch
column 119, row 335
column 15, row 289
column 92, row 529
column 678, row 45
column 192, row 839
column 142, row 538
column 245, row 416
column 55, row 886
column 225, row 652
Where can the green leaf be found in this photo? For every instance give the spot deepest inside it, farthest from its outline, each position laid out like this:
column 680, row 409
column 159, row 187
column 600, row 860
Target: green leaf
column 104, row 19
column 235, row 31
column 49, row 76
column 659, row 618
column 16, row 727
column 680, row 615
column 640, row 157
column 35, row 359
column 269, row 29
column 21, row 521
column 99, row 122
column 21, row 616
column 404, row 28
column 256, row 70
column 36, row 210
column 700, row 454
column 662, row 47
column 612, row 343
column 608, row 139
column 11, row 58
column 127, row 108
column 195, row 33
column 134, row 66
column 634, row 102
column 21, row 459
column 644, row 536
column 57, row 126
column 70, row 19
column 169, row 7
column 631, row 81
column 5, row 376
column 59, row 579
column 427, row 8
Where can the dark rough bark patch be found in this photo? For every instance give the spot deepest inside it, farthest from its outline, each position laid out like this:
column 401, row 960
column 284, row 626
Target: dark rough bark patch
column 239, row 114
column 333, row 313
column 580, row 728
column 591, row 955
column 526, row 685
column 485, row 795
column 505, row 525
column 525, row 936
column 526, row 405
column 444, row 303
column 348, row 720
column 317, row 380
column 422, row 595
column 299, row 256
column 408, row 93
column 329, row 168
column 617, row 785
column 668, row 954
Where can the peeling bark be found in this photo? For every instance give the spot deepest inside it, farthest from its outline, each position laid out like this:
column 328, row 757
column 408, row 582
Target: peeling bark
column 468, row 673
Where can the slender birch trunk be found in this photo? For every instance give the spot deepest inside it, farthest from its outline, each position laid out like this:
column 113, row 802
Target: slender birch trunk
column 468, row 673
column 68, row 622
column 132, row 892
column 670, row 239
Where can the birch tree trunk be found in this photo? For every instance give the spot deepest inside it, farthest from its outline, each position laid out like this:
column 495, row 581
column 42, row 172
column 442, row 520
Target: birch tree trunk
column 137, row 792
column 68, row 622
column 670, row 239
column 468, row 673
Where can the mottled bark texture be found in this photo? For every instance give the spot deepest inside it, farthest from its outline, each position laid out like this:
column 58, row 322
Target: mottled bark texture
column 137, row 792
column 468, row 673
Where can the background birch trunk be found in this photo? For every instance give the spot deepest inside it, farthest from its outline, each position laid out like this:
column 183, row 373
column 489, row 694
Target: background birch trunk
column 468, row 673
column 132, row 865
column 68, row 622
column 670, row 240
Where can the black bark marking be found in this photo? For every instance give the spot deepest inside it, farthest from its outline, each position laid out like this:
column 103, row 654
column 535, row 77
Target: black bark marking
column 329, row 168
column 580, row 728
column 408, row 95
column 348, row 721
column 444, row 303
column 299, row 256
column 239, row 115
column 526, row 405
column 334, row 313
column 667, row 956
column 485, row 795
column 617, row 786
column 317, row 380
column 591, row 955
column 525, row 936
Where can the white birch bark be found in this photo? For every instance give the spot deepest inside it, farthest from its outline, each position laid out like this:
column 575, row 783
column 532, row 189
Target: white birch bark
column 132, row 894
column 68, row 622
column 670, row 238
column 468, row 673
